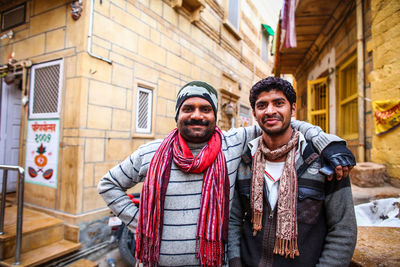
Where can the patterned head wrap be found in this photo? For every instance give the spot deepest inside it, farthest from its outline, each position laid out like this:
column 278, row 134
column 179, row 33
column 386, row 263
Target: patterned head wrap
column 197, row 89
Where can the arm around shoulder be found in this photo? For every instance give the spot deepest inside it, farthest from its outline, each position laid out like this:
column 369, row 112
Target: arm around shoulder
column 315, row 134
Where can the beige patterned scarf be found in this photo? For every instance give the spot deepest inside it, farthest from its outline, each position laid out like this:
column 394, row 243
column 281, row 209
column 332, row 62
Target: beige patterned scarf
column 286, row 229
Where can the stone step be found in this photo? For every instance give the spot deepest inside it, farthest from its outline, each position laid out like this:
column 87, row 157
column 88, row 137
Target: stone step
column 366, row 194
column 83, row 263
column 39, row 256
column 38, row 229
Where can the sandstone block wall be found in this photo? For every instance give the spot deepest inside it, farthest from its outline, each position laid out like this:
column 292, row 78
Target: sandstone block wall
column 50, row 33
column 384, row 78
column 343, row 42
column 342, row 45
column 151, row 45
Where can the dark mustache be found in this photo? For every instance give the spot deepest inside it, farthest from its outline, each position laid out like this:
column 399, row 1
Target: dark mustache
column 196, row 122
column 275, row 116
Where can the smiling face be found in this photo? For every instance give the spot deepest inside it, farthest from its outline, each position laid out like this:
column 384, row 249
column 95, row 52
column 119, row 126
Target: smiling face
column 196, row 120
column 273, row 112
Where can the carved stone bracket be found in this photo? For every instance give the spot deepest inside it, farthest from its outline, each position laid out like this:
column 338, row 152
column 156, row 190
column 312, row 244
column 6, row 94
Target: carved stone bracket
column 191, row 7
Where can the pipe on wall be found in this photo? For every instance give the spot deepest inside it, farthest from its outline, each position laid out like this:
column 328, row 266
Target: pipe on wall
column 360, row 80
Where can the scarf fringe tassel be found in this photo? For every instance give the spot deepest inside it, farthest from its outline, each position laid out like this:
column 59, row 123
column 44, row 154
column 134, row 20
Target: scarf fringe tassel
column 149, row 255
column 257, row 222
column 209, row 252
column 286, row 247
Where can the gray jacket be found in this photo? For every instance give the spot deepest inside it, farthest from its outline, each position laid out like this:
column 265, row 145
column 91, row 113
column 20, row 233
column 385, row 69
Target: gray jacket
column 327, row 230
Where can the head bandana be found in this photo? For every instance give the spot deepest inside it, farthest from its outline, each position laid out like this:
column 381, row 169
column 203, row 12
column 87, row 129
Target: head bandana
column 197, row 89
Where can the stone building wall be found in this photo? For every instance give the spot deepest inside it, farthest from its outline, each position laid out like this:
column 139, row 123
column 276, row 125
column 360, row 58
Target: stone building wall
column 160, row 50
column 343, row 42
column 150, row 45
column 50, row 33
column 341, row 46
column 385, row 47
column 381, row 67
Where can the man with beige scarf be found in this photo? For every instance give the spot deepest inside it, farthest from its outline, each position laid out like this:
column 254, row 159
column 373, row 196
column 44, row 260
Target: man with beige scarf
column 285, row 212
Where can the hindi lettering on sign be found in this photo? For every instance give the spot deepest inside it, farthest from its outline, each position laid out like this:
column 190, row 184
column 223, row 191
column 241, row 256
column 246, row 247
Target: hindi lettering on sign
column 44, row 127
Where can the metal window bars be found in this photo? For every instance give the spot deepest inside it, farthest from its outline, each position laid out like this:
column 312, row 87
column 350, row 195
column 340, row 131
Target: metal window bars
column 20, row 203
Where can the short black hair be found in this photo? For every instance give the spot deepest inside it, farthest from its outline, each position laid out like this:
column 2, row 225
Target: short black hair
column 272, row 83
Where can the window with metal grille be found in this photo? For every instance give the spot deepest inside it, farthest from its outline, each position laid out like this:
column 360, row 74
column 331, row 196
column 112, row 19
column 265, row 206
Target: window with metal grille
column 45, row 90
column 144, row 110
column 233, row 13
column 318, row 103
column 348, row 101
column 13, row 17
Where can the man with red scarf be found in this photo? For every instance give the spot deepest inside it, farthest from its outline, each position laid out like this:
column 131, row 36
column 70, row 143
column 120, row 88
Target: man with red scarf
column 188, row 179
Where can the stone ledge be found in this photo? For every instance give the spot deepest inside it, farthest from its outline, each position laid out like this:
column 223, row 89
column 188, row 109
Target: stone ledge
column 368, row 174
column 366, row 194
column 394, row 181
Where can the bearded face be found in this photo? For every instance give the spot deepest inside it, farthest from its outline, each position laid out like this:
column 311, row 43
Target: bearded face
column 196, row 120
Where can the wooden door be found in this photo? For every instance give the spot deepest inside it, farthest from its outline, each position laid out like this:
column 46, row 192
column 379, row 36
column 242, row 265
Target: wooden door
column 10, row 123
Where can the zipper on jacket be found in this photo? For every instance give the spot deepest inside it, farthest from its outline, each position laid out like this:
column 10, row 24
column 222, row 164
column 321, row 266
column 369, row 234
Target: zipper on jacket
column 268, row 240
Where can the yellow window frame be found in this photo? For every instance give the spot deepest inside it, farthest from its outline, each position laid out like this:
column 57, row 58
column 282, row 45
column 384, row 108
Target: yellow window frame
column 317, row 103
column 346, row 97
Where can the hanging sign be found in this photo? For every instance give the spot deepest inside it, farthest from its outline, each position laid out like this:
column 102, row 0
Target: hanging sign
column 42, row 152
column 386, row 115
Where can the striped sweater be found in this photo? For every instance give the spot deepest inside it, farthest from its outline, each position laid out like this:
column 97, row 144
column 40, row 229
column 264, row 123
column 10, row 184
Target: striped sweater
column 182, row 200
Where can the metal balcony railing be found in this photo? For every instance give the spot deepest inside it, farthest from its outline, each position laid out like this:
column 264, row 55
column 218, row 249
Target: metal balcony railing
column 20, row 203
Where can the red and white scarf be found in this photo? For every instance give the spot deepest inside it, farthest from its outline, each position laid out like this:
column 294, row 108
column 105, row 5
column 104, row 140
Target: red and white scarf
column 212, row 226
